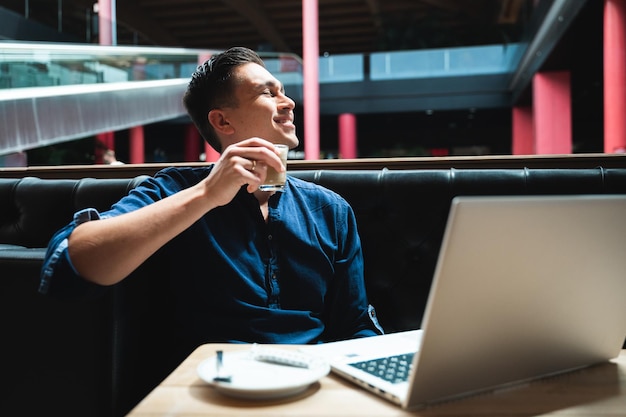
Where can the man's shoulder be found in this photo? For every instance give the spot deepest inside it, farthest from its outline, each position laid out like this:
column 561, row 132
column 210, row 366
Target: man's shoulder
column 185, row 176
column 311, row 190
column 308, row 186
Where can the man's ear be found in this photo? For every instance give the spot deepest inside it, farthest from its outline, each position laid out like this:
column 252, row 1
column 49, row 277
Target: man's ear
column 217, row 119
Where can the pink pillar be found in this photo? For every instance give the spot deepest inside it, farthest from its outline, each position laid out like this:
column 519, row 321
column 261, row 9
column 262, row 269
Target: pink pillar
column 211, row 154
column 105, row 14
column 106, row 36
column 523, row 140
column 105, row 140
column 347, row 136
column 552, row 112
column 192, row 143
column 614, row 76
column 310, row 52
column 136, row 145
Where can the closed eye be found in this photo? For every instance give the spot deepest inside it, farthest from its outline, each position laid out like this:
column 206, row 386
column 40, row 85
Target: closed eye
column 272, row 88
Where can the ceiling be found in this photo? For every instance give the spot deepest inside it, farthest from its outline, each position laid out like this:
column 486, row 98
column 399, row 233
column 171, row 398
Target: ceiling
column 345, row 26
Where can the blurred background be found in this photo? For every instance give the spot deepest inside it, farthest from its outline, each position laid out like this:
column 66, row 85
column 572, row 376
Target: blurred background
column 412, row 77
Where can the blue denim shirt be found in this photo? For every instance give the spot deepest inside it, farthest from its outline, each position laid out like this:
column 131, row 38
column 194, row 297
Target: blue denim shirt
column 296, row 279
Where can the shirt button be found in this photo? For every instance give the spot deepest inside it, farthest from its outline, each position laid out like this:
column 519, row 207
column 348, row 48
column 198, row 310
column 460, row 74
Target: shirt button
column 274, row 276
column 269, row 237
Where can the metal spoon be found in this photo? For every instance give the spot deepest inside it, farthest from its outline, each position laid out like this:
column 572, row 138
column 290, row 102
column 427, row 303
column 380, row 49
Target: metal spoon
column 219, row 368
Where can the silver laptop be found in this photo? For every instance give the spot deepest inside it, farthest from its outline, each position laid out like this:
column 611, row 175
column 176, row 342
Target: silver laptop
column 524, row 287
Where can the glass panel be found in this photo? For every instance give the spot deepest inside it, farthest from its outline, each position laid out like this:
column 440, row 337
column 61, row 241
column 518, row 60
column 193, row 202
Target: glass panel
column 41, row 65
column 490, row 59
column 341, row 68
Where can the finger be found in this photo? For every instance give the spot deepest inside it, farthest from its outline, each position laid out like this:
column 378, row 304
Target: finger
column 260, row 154
column 256, row 142
column 238, row 169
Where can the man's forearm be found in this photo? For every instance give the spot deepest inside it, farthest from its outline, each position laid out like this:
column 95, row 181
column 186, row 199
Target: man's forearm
column 106, row 251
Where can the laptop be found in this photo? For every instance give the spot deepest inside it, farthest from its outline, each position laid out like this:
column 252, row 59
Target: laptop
column 524, row 287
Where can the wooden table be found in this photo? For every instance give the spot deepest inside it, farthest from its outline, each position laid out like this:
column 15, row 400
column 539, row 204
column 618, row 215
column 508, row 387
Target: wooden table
column 595, row 391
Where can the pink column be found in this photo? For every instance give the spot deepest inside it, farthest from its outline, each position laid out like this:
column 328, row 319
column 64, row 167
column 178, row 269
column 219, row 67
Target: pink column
column 523, row 140
column 552, row 112
column 105, row 140
column 614, row 76
column 105, row 32
column 104, row 38
column 310, row 52
column 107, row 36
column 136, row 145
column 347, row 136
column 192, row 143
column 211, row 154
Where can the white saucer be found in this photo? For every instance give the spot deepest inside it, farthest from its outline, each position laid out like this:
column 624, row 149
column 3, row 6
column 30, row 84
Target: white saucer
column 253, row 379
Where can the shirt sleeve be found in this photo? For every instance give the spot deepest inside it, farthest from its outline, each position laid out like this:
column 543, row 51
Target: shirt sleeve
column 58, row 275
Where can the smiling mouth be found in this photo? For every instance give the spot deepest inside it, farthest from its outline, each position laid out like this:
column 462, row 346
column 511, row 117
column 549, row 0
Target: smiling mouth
column 284, row 122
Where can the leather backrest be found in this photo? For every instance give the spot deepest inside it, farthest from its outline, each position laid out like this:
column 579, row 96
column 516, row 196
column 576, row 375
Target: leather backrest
column 401, row 216
column 32, row 209
column 62, row 350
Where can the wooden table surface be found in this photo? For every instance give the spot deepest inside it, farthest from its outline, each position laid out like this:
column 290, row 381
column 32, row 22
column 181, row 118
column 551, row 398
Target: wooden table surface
column 595, row 391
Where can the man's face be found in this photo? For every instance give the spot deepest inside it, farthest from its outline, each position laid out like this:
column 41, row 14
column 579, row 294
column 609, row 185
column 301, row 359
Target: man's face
column 263, row 109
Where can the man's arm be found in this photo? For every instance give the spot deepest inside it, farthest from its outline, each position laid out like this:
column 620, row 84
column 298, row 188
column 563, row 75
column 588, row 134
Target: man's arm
column 107, row 250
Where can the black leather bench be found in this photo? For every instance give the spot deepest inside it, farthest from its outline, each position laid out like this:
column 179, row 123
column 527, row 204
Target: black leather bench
column 99, row 356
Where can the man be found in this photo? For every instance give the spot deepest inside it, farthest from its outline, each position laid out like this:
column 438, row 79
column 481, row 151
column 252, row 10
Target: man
column 245, row 265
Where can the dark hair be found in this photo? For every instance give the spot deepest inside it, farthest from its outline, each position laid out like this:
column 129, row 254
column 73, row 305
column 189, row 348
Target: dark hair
column 212, row 86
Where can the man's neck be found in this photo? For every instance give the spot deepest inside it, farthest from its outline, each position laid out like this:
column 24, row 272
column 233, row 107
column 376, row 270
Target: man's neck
column 263, row 197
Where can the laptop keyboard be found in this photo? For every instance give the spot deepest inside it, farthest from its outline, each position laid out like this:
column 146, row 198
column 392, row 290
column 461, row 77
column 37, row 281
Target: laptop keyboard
column 394, row 369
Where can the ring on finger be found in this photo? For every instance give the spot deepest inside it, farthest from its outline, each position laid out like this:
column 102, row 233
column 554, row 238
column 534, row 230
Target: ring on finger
column 253, row 165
